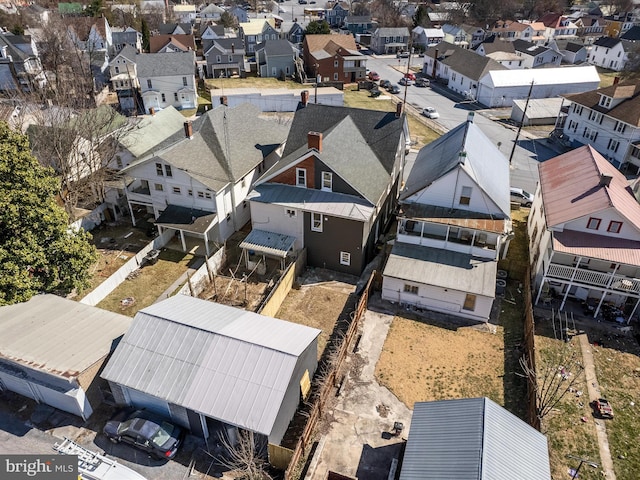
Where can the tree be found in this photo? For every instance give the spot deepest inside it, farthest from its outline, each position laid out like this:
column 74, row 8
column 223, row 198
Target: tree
column 632, row 67
column 421, row 17
column 228, row 20
column 245, row 457
column 146, row 34
column 318, row 27
column 95, row 8
column 39, row 252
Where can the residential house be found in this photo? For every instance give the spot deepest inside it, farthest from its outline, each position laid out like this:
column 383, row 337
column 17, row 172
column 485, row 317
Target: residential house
column 214, row 369
column 633, row 34
column 175, row 29
column 129, row 36
column 334, row 58
column 501, row 51
column 336, row 14
column 56, row 360
column 584, row 231
column 610, row 53
column 357, row 24
column 616, row 25
column 509, row 29
column 224, row 57
column 197, row 185
column 535, row 56
column 20, row 66
column 572, row 51
column 590, row 28
column 211, row 12
column 276, row 58
column 559, row 27
column 90, row 34
column 608, row 120
column 454, row 225
column 124, row 79
column 240, row 13
column 293, row 32
column 423, row 38
column 167, row 79
column 474, row 439
column 185, row 13
column 317, row 192
column 36, row 14
column 476, row 34
column 255, row 31
column 389, row 40
column 456, row 34
column 210, row 31
column 172, row 43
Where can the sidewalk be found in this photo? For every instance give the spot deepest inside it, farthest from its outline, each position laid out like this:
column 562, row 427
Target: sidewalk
column 197, row 263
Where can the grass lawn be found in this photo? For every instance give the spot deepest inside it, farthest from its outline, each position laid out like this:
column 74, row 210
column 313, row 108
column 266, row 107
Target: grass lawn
column 149, row 284
column 250, row 82
column 606, row 77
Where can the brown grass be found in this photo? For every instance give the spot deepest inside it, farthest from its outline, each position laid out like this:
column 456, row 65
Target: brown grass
column 606, row 77
column 250, row 82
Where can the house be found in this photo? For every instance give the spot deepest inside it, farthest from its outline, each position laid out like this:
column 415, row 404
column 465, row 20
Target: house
column 536, row 111
column 197, row 184
column 129, row 36
column 584, row 231
column 476, row 34
column 357, row 24
column 276, row 58
column 240, row 13
column 500, row 88
column 255, row 31
column 590, row 27
column 509, row 29
column 456, row 34
column 175, row 29
column 335, row 15
column 124, row 79
column 209, row 31
column 424, row 38
column 172, row 43
column 608, row 120
column 185, row 13
column 293, row 32
column 52, row 349
column 334, row 58
column 277, row 99
column 633, row 34
column 90, row 34
column 474, row 439
column 224, row 57
column 610, row 53
column 501, row 51
column 167, row 79
column 572, row 51
column 20, row 66
column 390, row 40
column 535, row 56
column 559, row 26
column 213, row 368
column 317, row 193
column 454, row 224
column 211, row 12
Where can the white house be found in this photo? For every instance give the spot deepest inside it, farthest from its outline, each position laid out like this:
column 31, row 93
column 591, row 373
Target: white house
column 167, row 79
column 584, row 234
column 610, row 53
column 427, row 37
column 185, row 13
column 572, row 51
column 535, row 56
column 124, row 78
column 454, row 225
column 502, row 51
column 607, row 119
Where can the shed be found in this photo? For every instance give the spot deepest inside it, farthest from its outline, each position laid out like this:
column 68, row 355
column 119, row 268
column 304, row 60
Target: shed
column 210, row 367
column 540, row 111
column 474, row 439
column 52, row 350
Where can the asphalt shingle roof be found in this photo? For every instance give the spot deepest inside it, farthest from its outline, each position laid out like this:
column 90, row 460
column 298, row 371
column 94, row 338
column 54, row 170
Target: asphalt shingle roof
column 165, row 64
column 465, row 62
column 606, row 42
column 276, row 47
column 627, row 111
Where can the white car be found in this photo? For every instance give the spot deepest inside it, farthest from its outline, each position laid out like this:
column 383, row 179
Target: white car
column 521, row 196
column 430, row 112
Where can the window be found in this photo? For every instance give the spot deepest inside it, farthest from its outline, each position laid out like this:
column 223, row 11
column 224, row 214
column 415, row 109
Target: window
column 614, row 227
column 184, row 81
column 301, row 177
column 230, row 58
column 465, row 196
column 453, row 77
column 117, row 69
column 200, row 194
column 207, row 195
column 175, row 96
column 595, row 116
column 335, row 63
column 469, row 302
column 164, row 98
column 327, row 181
column 316, row 222
column 593, row 223
column 176, row 190
column 290, row 212
column 149, row 83
column 590, row 133
column 345, row 258
column 613, row 145
column 620, row 127
column 167, row 171
column 159, row 171
column 190, row 192
column 158, row 187
column 218, row 59
column 413, row 289
column 335, row 76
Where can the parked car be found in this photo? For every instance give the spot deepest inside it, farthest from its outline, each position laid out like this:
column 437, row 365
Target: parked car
column 410, row 76
column 430, row 112
column 422, row 82
column 521, row 196
column 394, row 89
column 402, row 55
column 374, row 76
column 146, row 431
column 405, row 81
column 386, row 84
column 603, row 408
column 375, row 93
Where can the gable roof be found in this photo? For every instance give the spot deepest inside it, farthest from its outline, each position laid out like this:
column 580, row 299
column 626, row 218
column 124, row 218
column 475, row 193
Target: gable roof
column 570, row 185
column 224, row 45
column 183, row 42
column 468, row 148
column 569, row 45
column 169, row 28
column 165, row 64
column 606, row 42
column 474, row 439
column 256, row 26
column 529, row 48
column 509, row 26
column 628, row 110
column 494, row 44
column 465, row 62
column 371, row 137
column 275, row 48
column 127, row 36
column 316, row 43
column 153, row 132
column 57, row 335
column 127, row 52
column 224, row 362
column 391, row 32
column 550, row 19
column 632, row 34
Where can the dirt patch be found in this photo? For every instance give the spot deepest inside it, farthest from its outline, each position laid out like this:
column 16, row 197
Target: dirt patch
column 422, row 362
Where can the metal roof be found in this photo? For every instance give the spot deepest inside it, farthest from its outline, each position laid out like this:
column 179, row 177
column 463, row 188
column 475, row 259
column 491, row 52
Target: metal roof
column 539, row 107
column 226, row 363
column 58, row 336
column 543, row 76
column 187, row 219
column 268, row 242
column 610, row 249
column 472, row 439
column 455, row 216
column 442, row 268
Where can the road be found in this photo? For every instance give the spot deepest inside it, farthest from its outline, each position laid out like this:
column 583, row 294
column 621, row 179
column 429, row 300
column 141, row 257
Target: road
column 453, row 111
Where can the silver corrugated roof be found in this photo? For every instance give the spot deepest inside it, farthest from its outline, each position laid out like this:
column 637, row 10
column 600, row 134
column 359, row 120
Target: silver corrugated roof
column 472, row 439
column 226, row 363
column 56, row 335
column 442, row 268
column 268, row 242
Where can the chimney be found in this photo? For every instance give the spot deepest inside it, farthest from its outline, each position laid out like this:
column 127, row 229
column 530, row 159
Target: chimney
column 616, row 79
column 314, row 140
column 223, row 100
column 435, row 61
column 188, row 129
column 470, row 117
column 233, row 48
column 304, row 98
column 398, row 110
column 605, row 180
column 152, row 111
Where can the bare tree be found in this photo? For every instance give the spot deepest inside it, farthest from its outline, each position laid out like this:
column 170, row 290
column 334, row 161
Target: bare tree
column 247, row 456
column 387, row 14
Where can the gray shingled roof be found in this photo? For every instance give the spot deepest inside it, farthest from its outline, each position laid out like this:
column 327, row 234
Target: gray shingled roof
column 465, row 62
column 275, row 48
column 528, row 48
column 128, row 37
column 165, row 64
column 223, row 45
column 127, row 52
column 606, row 42
column 188, row 219
column 392, row 32
column 472, row 439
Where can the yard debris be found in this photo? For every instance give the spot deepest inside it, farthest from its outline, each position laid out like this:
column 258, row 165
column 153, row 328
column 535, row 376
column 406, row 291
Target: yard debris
column 127, row 302
column 383, row 410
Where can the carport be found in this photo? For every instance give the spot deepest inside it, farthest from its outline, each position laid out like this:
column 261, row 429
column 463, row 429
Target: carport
column 188, row 221
column 266, row 244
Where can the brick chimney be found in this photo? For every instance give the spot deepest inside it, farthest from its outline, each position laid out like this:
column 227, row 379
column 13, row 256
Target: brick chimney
column 152, row 111
column 188, row 129
column 314, row 140
column 304, row 97
column 223, row 100
column 398, row 110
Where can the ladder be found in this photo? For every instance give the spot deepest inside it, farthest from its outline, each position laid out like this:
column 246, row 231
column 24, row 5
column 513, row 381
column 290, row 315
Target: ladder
column 87, row 460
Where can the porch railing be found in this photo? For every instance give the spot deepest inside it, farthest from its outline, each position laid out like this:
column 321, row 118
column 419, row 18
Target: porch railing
column 591, row 277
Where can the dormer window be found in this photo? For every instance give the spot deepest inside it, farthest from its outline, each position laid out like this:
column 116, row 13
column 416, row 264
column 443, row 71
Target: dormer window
column 605, row 101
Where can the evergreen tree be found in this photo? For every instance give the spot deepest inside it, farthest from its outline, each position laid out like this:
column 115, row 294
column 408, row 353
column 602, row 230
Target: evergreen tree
column 321, row 27
column 421, row 17
column 146, row 34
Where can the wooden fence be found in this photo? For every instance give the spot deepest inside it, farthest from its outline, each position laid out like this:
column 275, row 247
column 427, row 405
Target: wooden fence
column 530, row 353
column 332, row 381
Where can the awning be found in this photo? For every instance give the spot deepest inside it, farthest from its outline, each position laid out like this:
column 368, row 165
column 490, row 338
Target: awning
column 269, row 243
column 187, row 219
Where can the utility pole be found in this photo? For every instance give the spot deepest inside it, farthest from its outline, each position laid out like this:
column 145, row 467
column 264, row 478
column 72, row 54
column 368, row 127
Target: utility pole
column 406, row 83
column 524, row 112
column 582, row 460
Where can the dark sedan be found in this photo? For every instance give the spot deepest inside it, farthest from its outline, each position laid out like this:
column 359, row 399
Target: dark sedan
column 145, row 431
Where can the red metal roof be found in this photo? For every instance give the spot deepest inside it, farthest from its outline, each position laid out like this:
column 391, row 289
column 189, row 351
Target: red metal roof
column 610, row 249
column 571, row 189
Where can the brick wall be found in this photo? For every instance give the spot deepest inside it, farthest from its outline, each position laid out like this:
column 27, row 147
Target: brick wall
column 288, row 177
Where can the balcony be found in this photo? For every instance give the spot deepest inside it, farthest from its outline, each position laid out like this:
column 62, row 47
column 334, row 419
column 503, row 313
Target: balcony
column 593, row 278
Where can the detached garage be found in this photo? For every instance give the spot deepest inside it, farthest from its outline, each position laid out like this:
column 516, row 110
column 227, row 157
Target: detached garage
column 52, row 350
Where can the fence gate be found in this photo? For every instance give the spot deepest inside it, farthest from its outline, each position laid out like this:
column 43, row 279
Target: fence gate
column 279, row 457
